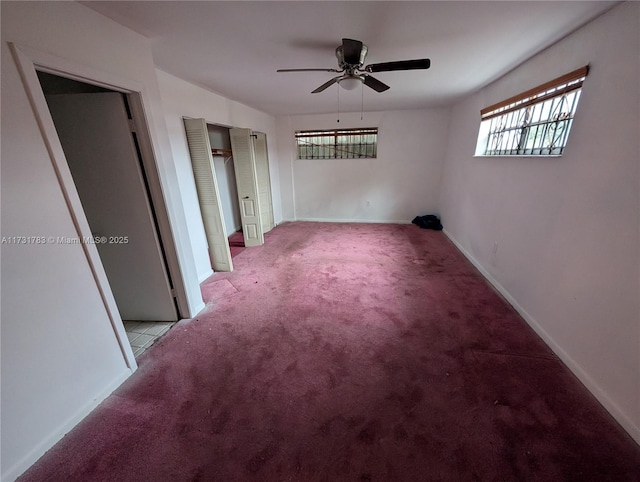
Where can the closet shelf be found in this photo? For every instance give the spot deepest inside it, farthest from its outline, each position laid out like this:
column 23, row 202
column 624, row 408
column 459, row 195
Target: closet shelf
column 221, row 152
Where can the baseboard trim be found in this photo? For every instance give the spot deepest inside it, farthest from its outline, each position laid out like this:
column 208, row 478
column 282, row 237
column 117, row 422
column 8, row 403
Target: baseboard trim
column 39, row 450
column 198, row 308
column 202, row 278
column 590, row 384
column 361, row 221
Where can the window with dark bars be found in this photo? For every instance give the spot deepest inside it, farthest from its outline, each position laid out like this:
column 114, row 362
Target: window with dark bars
column 534, row 123
column 337, row 143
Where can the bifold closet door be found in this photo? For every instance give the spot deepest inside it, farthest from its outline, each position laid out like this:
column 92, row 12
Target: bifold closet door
column 208, row 194
column 246, row 180
column 264, row 181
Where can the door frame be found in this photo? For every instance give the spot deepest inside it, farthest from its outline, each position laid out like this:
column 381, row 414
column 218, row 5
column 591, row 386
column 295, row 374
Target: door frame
column 28, row 61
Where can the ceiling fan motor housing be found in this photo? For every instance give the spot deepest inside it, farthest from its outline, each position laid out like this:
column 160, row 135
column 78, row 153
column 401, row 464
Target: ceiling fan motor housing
column 351, row 67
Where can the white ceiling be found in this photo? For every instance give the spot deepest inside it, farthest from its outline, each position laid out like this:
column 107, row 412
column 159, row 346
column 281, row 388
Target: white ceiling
column 234, row 48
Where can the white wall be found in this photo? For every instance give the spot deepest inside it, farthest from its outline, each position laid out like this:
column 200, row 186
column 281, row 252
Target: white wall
column 183, row 99
column 59, row 354
column 401, row 183
column 567, row 229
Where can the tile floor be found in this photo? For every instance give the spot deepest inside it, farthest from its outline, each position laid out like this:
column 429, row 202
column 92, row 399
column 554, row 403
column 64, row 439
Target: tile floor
column 143, row 334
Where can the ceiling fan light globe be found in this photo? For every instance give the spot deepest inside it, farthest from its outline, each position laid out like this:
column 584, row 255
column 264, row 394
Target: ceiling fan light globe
column 351, row 83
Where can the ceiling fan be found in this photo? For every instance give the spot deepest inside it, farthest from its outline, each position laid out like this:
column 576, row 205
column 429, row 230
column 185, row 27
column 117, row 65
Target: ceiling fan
column 351, row 55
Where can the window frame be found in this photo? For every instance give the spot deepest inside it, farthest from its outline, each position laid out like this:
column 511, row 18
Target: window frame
column 517, row 114
column 338, row 150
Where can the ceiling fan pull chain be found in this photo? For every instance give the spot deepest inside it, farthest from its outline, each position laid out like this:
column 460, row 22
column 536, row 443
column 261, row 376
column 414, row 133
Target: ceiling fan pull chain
column 362, row 101
column 338, row 89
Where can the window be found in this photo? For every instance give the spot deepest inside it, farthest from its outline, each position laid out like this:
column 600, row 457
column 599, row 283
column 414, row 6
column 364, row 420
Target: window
column 534, row 123
column 337, row 144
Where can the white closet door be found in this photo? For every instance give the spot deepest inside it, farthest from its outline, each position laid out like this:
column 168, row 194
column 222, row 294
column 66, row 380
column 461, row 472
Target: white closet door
column 264, row 181
column 246, row 180
column 208, row 194
column 96, row 138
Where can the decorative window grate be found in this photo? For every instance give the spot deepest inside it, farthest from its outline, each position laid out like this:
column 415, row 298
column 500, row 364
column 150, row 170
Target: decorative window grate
column 337, row 144
column 534, row 123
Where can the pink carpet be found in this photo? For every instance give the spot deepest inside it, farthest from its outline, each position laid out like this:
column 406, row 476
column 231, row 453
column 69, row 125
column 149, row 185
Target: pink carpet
column 236, row 239
column 236, row 243
column 348, row 352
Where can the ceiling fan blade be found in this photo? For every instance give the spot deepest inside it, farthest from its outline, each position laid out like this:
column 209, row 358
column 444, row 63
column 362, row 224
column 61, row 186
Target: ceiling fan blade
column 418, row 64
column 375, row 84
column 351, row 51
column 308, row 70
column 327, row 84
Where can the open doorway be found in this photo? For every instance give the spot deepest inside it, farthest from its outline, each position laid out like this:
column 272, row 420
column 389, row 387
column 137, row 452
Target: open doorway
column 98, row 135
column 224, row 168
column 248, row 162
column 225, row 171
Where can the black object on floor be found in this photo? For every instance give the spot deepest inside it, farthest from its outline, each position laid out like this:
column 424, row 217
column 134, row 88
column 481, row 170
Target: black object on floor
column 429, row 221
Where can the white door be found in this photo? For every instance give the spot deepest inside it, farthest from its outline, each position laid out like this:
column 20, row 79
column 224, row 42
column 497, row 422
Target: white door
column 263, row 180
column 245, row 167
column 204, row 175
column 96, row 137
